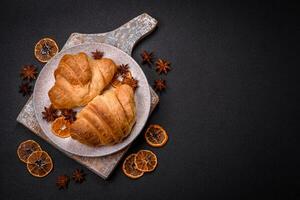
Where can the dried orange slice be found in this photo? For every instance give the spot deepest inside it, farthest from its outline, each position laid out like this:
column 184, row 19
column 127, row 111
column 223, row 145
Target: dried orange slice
column 61, row 127
column 156, row 136
column 26, row 148
column 130, row 169
column 45, row 49
column 145, row 161
column 39, row 164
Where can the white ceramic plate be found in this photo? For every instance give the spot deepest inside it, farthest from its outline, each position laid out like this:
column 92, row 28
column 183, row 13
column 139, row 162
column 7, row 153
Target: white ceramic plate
column 46, row 80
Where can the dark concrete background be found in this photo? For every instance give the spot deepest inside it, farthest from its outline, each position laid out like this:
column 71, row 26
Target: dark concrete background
column 230, row 107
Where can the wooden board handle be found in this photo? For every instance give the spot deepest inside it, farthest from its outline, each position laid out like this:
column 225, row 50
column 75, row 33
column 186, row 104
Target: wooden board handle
column 124, row 37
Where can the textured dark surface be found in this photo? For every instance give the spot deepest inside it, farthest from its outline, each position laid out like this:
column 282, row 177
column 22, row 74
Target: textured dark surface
column 230, row 108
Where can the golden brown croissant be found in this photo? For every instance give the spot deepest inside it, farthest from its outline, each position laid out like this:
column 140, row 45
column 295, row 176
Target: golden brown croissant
column 107, row 119
column 78, row 79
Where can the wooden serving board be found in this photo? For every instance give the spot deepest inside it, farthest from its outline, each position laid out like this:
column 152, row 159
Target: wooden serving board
column 124, row 38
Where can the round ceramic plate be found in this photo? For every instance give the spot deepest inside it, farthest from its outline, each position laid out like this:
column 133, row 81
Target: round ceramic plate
column 46, row 80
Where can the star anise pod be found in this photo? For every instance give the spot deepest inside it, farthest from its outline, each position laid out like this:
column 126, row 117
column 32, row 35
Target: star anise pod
column 160, row 85
column 97, row 55
column 50, row 113
column 78, row 176
column 62, row 182
column 28, row 72
column 147, row 57
column 115, row 82
column 69, row 115
column 162, row 66
column 132, row 82
column 25, row 89
column 123, row 70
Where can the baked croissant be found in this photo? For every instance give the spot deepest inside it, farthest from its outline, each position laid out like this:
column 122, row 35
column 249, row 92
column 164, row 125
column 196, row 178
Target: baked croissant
column 78, row 79
column 107, row 119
